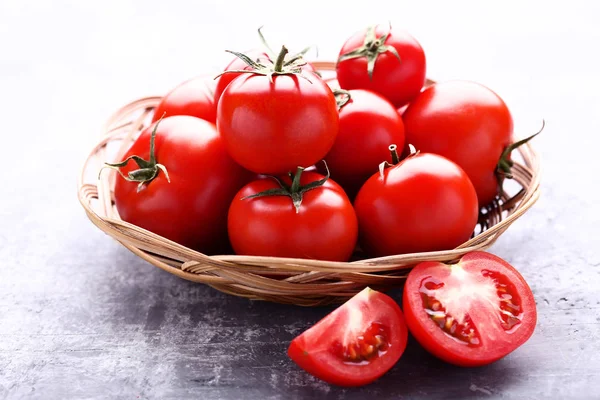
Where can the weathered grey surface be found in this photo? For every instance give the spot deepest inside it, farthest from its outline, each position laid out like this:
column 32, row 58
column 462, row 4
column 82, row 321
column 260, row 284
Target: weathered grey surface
column 81, row 317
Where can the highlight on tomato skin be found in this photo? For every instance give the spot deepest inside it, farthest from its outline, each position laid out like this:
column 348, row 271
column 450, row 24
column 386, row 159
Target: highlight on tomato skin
column 356, row 343
column 471, row 313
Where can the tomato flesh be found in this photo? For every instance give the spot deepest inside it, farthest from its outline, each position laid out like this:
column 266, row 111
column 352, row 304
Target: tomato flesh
column 356, row 343
column 471, row 313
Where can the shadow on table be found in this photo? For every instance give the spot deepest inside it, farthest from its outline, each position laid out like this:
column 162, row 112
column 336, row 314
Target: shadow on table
column 221, row 346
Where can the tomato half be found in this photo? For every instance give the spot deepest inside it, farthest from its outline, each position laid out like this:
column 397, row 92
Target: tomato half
column 471, row 313
column 466, row 123
column 191, row 208
column 424, row 203
column 388, row 61
column 193, row 97
column 368, row 125
column 274, row 127
column 355, row 344
column 323, row 226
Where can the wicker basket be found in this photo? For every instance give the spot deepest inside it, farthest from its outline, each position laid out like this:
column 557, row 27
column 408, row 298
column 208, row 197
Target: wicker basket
column 296, row 281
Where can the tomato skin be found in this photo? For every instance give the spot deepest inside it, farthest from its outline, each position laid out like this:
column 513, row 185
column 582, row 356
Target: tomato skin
column 496, row 342
column 369, row 124
column 325, row 228
column 204, row 180
column 193, row 97
column 274, row 127
column 465, row 122
column 311, row 349
column 424, row 203
column 237, row 64
column 398, row 81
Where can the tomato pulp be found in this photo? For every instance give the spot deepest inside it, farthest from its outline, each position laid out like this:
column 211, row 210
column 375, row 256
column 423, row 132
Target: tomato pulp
column 356, row 343
column 471, row 313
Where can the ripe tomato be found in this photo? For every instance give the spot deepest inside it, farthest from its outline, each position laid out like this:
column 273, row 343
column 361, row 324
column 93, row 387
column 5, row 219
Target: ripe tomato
column 467, row 123
column 193, row 97
column 273, row 126
column 203, row 181
column 238, row 64
column 471, row 313
column 321, row 226
column 424, row 203
column 389, row 62
column 355, row 344
column 368, row 125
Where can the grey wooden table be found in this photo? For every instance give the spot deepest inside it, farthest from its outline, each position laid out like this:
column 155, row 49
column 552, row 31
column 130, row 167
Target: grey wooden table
column 81, row 317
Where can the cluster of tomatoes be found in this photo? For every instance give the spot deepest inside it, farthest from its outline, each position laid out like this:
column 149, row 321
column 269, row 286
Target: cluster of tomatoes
column 280, row 162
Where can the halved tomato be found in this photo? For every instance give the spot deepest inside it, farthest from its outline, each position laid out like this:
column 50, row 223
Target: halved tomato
column 471, row 313
column 355, row 344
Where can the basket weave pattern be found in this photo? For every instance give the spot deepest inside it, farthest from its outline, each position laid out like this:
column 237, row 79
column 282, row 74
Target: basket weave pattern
column 283, row 280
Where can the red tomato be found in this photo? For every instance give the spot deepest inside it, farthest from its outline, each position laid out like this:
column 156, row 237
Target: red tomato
column 424, row 203
column 368, row 125
column 355, row 344
column 467, row 123
column 389, row 62
column 274, row 127
column 193, row 97
column 323, row 227
column 471, row 313
column 238, row 64
column 191, row 209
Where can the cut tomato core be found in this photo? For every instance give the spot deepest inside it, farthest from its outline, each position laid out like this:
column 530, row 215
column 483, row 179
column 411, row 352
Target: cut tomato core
column 372, row 343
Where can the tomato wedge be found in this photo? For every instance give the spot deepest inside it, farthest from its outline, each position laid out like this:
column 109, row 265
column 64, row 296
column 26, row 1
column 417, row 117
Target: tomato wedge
column 356, row 343
column 471, row 313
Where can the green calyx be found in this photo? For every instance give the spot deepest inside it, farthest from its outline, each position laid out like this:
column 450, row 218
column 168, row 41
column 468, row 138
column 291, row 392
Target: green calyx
column 282, row 65
column 372, row 47
column 148, row 169
column 342, row 97
column 295, row 191
column 505, row 164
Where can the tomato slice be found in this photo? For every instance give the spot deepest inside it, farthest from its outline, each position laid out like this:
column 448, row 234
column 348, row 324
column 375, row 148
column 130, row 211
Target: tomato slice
column 471, row 313
column 356, row 343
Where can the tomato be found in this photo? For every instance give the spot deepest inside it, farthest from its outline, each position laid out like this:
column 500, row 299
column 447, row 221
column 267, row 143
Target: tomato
column 368, row 125
column 467, row 123
column 355, row 344
column 388, row 61
column 273, row 124
column 193, row 97
column 424, row 203
column 238, row 64
column 191, row 208
column 315, row 220
column 471, row 313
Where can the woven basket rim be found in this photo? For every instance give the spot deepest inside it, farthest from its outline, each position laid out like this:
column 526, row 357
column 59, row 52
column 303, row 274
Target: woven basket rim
column 252, row 276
